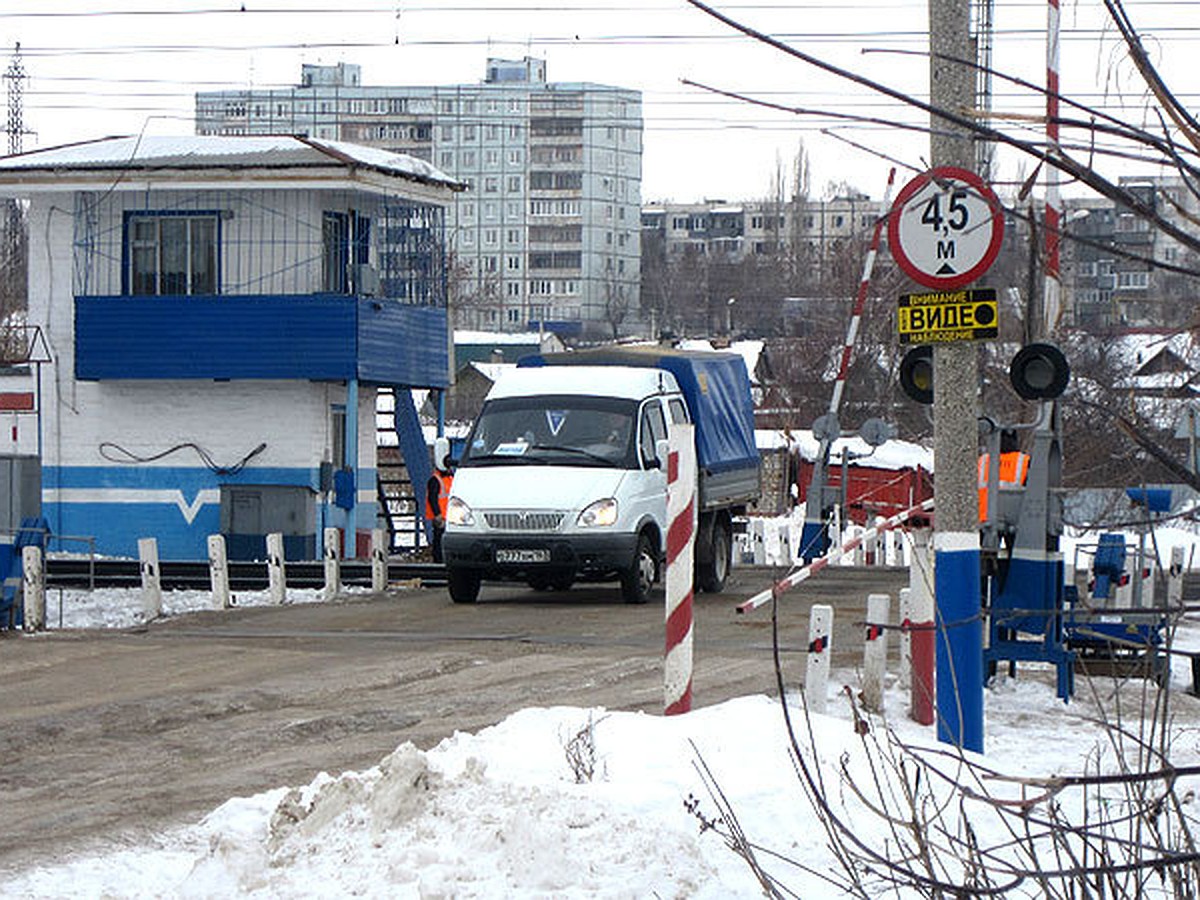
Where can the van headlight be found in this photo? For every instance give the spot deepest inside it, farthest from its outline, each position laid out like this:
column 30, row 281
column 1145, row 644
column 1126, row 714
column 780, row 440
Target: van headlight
column 458, row 513
column 602, row 512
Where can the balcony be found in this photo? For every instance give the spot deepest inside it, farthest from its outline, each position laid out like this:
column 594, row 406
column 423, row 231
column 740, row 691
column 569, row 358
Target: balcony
column 317, row 337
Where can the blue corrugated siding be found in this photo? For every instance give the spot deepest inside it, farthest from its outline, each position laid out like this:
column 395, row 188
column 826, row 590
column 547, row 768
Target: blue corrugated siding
column 399, row 344
column 308, row 336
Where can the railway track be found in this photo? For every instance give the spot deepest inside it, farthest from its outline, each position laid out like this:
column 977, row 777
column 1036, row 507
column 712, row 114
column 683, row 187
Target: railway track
column 243, row 576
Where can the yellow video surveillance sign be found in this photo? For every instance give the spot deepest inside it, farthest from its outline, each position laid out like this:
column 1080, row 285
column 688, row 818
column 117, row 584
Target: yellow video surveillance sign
column 944, row 316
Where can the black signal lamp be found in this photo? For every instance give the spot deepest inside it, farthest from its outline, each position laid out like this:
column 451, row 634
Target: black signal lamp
column 1039, row 372
column 916, row 374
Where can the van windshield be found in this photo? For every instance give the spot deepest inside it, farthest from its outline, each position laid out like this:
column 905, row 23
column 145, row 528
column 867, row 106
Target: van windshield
column 561, row 430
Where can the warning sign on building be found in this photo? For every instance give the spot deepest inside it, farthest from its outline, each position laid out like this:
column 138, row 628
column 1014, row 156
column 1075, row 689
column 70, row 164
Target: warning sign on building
column 945, row 316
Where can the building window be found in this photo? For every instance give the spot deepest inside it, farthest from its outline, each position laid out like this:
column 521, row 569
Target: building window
column 1134, row 281
column 513, row 236
column 346, row 244
column 514, row 183
column 172, row 253
column 512, row 288
column 513, row 316
column 514, row 263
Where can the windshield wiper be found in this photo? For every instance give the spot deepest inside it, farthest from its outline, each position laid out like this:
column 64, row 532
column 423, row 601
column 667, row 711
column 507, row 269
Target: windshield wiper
column 562, row 448
column 502, row 457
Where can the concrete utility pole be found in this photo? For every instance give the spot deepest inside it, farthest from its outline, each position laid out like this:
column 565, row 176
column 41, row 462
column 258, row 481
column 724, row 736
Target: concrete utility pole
column 955, row 412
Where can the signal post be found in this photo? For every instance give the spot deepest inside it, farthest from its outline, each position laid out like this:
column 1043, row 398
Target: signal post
column 945, row 231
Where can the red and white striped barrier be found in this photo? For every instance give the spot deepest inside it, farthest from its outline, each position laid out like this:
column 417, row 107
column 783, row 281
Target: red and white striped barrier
column 681, row 534
column 806, row 572
column 861, row 299
column 1052, row 301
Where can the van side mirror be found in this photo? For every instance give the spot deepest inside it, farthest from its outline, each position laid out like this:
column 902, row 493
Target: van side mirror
column 662, row 450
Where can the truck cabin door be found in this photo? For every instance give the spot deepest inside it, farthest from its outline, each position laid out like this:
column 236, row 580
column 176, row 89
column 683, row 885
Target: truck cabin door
column 650, row 498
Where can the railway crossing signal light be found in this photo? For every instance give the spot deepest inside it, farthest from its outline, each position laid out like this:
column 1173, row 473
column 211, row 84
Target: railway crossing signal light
column 1039, row 372
column 916, row 374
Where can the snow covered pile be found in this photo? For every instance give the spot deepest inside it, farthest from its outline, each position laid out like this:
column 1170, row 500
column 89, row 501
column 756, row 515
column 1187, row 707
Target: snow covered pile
column 501, row 813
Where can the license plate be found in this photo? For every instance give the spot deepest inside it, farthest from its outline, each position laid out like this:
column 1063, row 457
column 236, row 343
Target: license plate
column 523, row 556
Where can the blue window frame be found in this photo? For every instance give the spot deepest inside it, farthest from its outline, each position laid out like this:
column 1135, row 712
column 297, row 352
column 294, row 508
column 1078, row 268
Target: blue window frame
column 171, row 252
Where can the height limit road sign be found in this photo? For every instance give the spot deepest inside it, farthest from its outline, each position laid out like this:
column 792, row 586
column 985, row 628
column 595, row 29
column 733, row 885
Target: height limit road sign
column 945, row 228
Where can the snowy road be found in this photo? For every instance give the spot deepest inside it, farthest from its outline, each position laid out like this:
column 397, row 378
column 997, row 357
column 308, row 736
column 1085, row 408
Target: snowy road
column 112, row 734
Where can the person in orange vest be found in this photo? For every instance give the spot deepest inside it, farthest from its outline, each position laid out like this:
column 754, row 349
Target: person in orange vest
column 437, row 492
column 1014, row 469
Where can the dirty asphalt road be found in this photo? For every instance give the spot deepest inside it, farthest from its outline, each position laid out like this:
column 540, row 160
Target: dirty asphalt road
column 107, row 735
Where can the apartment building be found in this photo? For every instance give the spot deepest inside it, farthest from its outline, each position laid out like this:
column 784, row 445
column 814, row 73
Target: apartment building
column 547, row 233
column 1109, row 274
column 734, row 231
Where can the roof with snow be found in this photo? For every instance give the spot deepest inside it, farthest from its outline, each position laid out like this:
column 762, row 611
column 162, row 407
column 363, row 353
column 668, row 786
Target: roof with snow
column 152, row 154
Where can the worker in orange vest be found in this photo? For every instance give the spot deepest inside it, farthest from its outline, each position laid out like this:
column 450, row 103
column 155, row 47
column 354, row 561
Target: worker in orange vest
column 1014, row 469
column 437, row 492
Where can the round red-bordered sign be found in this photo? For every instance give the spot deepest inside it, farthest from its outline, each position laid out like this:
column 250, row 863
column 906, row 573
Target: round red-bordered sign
column 945, row 228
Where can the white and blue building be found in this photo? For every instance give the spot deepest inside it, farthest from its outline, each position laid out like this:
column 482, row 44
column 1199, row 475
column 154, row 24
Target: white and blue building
column 220, row 314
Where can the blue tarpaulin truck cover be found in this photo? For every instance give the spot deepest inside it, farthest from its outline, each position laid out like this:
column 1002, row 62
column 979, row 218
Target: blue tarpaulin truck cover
column 715, row 387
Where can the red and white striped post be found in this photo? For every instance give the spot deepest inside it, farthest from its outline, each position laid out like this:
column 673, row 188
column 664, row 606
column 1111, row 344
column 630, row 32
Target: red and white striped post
column 681, row 534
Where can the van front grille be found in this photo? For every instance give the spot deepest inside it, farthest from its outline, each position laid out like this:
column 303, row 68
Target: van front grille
column 523, row 521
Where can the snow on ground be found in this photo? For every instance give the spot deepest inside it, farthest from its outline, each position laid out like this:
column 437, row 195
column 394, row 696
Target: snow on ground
column 121, row 608
column 502, row 813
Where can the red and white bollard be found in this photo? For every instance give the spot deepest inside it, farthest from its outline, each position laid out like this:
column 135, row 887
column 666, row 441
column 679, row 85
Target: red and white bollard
column 816, row 670
column 681, row 534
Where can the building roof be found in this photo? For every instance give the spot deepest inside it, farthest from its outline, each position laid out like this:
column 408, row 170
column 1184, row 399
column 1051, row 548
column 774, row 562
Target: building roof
column 151, row 154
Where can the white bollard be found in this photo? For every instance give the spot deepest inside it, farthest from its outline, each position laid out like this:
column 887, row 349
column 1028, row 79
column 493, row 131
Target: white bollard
column 1175, row 577
column 218, row 572
column 34, row 577
column 379, row 560
column 879, row 607
column 151, row 579
column 857, row 555
column 1123, row 595
column 758, row 541
column 905, row 614
column 816, row 673
column 1150, row 585
column 333, row 549
column 276, row 569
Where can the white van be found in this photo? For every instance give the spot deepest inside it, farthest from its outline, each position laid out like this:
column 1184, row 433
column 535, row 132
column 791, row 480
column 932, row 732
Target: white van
column 560, row 481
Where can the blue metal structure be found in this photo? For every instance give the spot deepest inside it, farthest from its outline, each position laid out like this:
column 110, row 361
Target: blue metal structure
column 316, row 337
column 1025, row 590
column 414, row 450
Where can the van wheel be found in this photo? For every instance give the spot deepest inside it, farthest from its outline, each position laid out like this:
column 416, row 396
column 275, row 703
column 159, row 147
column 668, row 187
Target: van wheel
column 712, row 574
column 463, row 585
column 638, row 579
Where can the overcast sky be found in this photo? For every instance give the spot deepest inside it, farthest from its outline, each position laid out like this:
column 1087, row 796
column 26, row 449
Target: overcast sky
column 118, row 66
